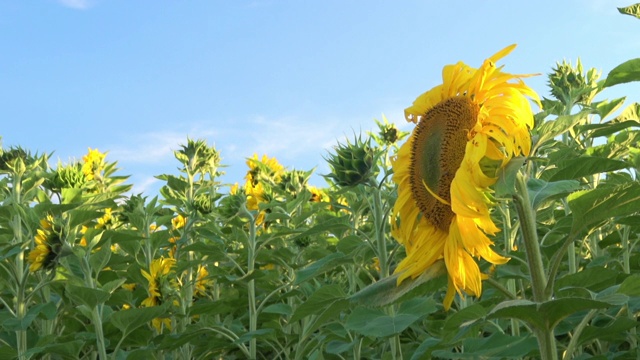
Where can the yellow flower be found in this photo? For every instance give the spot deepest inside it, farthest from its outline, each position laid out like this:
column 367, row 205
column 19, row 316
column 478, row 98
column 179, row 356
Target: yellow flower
column 317, row 195
column 266, row 167
column 158, row 269
column 93, row 163
column 467, row 129
column 105, row 219
column 202, row 282
column 178, row 222
column 42, row 255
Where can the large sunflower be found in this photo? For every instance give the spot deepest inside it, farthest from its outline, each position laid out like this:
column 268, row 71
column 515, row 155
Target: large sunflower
column 467, row 129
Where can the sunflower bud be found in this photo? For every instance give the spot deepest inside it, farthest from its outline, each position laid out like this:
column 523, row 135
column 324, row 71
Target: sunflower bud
column 68, row 177
column 198, row 157
column 203, row 203
column 571, row 86
column 294, row 181
column 353, row 164
column 14, row 159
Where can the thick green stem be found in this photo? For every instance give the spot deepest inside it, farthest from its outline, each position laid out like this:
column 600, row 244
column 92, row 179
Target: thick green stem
column 380, row 234
column 546, row 340
column 251, row 287
column 96, row 312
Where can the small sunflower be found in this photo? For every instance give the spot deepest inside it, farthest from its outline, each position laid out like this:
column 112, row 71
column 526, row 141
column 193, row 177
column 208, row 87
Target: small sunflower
column 467, row 129
column 157, row 278
column 47, row 245
column 268, row 169
column 93, row 163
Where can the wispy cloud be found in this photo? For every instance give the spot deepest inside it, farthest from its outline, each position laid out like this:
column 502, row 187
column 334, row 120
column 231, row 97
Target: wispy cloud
column 76, row 4
column 151, row 148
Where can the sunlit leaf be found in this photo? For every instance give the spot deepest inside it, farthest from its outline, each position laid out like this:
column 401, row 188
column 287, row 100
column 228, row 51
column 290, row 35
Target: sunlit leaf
column 505, row 186
column 633, row 10
column 631, row 112
column 589, row 207
column 387, row 291
column 87, row 296
column 377, row 323
column 582, row 166
column 495, row 346
column 546, row 315
column 630, row 286
column 323, row 265
column 626, row 72
column 540, row 190
column 130, row 319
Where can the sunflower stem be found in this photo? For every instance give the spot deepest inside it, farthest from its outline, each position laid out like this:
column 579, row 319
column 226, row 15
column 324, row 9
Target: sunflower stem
column 546, row 340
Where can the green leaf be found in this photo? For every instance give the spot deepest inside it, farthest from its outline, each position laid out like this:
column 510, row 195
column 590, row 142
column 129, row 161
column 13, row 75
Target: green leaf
column 424, row 350
column 496, row 346
column 582, row 166
column 281, row 309
column 100, row 258
column 48, row 311
column 605, row 108
column 547, row 315
column 610, row 127
column 387, row 291
column 595, row 278
column 319, row 301
column 540, row 190
column 376, row 323
column 71, row 195
column 552, row 128
column 633, row 10
column 615, row 330
column 325, row 305
column 79, row 217
column 131, row 319
column 260, row 333
column 626, row 72
column 630, row 286
column 321, row 266
column 505, row 186
column 631, row 112
column 590, row 207
column 67, row 349
column 86, row 296
column 464, row 316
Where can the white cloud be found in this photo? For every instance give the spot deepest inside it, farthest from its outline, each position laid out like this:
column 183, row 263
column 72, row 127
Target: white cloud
column 76, row 4
column 151, row 148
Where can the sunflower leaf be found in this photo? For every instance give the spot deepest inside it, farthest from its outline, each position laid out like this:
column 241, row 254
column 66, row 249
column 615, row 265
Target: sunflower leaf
column 540, row 190
column 377, row 323
column 506, row 184
column 632, row 10
column 496, row 346
column 590, row 207
column 579, row 167
column 387, row 291
column 626, row 72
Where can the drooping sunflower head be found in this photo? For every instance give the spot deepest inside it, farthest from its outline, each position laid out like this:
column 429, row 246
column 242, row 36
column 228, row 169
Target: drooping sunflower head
column 467, row 129
column 47, row 245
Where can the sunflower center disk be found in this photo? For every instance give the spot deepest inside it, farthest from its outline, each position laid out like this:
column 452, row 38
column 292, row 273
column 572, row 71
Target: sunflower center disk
column 438, row 149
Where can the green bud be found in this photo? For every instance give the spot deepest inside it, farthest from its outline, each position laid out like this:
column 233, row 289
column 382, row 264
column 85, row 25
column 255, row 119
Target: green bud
column 353, row 164
column 570, row 85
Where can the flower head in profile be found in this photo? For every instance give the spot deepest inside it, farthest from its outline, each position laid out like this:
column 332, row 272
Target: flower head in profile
column 158, row 277
column 265, row 169
column 47, row 245
column 467, row 128
column 93, row 163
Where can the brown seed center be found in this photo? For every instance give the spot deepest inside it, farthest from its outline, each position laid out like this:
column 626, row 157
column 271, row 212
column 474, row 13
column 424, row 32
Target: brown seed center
column 439, row 143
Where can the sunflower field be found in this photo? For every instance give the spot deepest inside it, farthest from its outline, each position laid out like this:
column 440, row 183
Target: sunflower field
column 504, row 225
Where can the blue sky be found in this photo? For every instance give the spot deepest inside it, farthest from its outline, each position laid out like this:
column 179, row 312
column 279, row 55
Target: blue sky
column 283, row 78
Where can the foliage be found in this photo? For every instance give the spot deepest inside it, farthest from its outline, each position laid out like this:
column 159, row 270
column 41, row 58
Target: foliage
column 279, row 269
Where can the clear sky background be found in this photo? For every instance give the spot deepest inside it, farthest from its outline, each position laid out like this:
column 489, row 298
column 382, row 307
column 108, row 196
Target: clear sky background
column 284, row 78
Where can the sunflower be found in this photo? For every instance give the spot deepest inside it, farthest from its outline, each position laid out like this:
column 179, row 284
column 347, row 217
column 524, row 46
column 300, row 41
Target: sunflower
column 266, row 169
column 47, row 244
column 467, row 129
column 93, row 163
